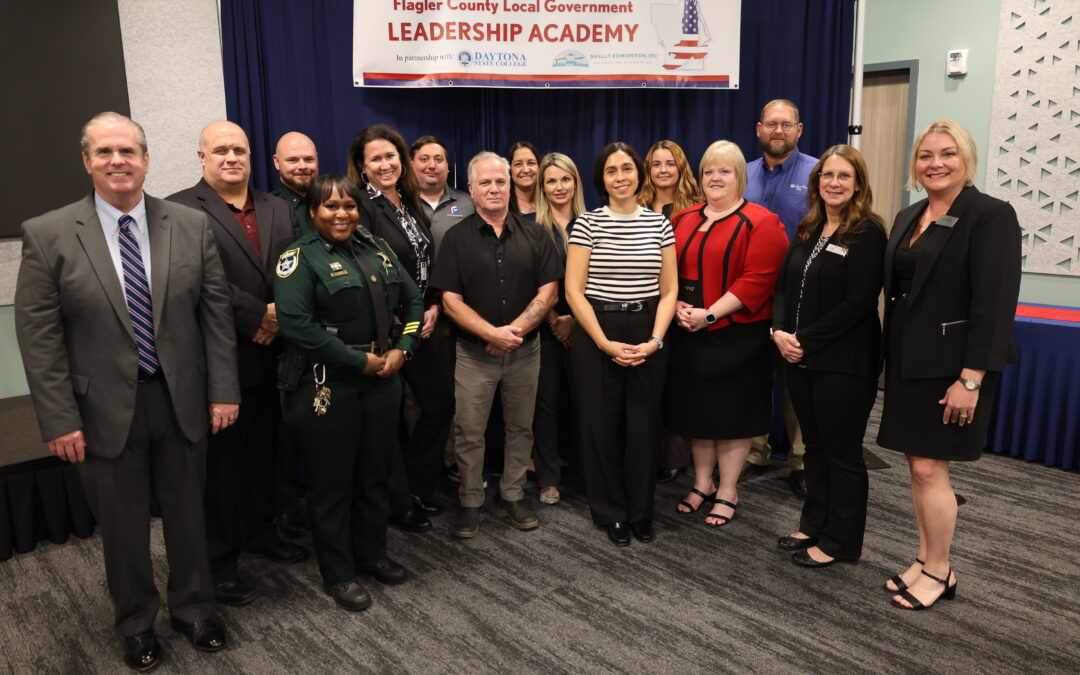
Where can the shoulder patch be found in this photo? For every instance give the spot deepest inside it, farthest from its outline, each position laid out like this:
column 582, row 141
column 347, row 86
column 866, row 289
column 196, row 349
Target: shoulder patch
column 288, row 262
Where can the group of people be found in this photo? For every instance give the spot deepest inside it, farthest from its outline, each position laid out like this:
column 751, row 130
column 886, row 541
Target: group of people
column 330, row 336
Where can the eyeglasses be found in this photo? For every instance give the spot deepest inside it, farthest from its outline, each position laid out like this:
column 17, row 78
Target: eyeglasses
column 830, row 177
column 786, row 126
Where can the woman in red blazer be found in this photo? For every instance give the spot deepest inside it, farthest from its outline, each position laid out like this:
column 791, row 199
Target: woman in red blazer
column 718, row 390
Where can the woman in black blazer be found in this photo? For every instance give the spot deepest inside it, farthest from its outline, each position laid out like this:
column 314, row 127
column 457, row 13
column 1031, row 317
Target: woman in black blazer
column 390, row 209
column 952, row 277
column 826, row 327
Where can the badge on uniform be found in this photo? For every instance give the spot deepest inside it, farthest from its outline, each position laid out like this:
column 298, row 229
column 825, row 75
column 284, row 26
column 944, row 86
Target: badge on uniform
column 287, row 262
column 385, row 260
column 335, row 265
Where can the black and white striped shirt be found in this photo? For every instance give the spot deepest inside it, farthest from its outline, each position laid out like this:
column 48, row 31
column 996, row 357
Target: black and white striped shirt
column 624, row 263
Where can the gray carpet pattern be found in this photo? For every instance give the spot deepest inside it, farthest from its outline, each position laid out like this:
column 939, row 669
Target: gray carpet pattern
column 561, row 599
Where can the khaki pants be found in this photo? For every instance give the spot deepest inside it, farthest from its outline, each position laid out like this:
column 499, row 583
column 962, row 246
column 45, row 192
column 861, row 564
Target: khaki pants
column 759, row 448
column 476, row 377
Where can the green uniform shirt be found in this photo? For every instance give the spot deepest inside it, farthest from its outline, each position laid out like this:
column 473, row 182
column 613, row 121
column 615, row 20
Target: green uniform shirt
column 319, row 285
column 296, row 201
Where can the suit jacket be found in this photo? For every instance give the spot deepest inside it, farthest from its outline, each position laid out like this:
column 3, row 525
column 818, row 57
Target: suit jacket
column 838, row 323
column 75, row 333
column 963, row 297
column 378, row 216
column 250, row 273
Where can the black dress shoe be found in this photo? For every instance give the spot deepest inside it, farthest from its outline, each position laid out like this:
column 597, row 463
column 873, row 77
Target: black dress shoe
column 803, row 558
column 797, row 482
column 789, row 543
column 291, row 525
column 142, row 652
column 619, row 534
column 667, row 475
column 643, row 532
column 350, row 595
column 205, row 635
column 234, row 593
column 411, row 521
column 385, row 571
column 281, row 552
column 425, row 508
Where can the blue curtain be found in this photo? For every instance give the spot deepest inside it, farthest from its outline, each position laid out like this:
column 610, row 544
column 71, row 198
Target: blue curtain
column 288, row 66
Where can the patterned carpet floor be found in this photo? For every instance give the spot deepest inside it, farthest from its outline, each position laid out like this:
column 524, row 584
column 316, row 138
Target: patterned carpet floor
column 561, row 599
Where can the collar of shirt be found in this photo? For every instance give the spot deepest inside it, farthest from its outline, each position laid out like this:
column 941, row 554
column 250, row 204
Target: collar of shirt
column 249, row 205
column 109, row 218
column 484, row 226
column 787, row 165
column 288, row 194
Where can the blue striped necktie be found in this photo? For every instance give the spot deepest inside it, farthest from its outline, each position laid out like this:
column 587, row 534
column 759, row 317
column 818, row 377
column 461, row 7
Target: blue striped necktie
column 137, row 290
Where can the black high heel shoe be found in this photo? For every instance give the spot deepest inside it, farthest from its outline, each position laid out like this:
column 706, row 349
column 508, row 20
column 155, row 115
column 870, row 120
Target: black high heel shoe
column 705, row 499
column 949, row 594
column 898, row 581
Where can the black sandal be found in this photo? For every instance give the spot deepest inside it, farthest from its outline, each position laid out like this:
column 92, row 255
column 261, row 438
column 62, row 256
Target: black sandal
column 899, row 582
column 949, row 594
column 693, row 509
column 725, row 519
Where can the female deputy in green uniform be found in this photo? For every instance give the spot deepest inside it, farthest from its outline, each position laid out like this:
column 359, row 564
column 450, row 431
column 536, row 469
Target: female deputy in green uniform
column 338, row 291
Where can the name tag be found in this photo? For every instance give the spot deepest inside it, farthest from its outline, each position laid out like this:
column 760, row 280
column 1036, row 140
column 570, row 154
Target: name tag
column 796, row 187
column 838, row 250
column 947, row 221
column 339, row 273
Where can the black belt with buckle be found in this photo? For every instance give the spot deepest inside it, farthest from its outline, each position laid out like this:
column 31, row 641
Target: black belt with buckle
column 370, row 348
column 633, row 306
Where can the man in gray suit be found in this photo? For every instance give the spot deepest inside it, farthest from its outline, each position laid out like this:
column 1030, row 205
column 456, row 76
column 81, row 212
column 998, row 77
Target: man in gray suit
column 123, row 320
column 251, row 229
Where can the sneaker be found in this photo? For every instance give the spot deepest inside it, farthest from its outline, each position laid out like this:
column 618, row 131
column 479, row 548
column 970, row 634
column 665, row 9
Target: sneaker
column 467, row 523
column 550, row 496
column 520, row 513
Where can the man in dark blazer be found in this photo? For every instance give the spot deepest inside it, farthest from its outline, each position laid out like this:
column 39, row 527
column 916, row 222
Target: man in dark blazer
column 123, row 321
column 251, row 229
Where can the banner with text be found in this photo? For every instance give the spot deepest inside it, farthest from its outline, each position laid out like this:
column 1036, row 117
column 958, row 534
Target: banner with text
column 546, row 43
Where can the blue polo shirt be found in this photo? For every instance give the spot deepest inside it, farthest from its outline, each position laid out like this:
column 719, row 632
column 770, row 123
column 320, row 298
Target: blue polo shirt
column 782, row 190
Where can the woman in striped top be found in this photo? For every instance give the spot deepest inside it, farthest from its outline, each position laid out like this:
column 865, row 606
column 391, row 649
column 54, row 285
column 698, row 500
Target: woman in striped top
column 621, row 283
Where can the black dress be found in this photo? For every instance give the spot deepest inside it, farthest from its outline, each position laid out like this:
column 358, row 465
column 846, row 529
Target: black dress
column 911, row 417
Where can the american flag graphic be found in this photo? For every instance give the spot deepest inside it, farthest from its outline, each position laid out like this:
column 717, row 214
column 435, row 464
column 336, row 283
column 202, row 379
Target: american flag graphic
column 689, row 52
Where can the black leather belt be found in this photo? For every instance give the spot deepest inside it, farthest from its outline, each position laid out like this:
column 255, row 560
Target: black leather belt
column 632, row 306
column 143, row 377
column 370, row 348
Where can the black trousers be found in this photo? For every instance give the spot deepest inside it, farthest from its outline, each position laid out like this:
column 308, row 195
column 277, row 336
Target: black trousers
column 241, row 475
column 417, row 468
column 619, row 413
column 555, row 373
column 347, row 454
column 157, row 459
column 832, row 409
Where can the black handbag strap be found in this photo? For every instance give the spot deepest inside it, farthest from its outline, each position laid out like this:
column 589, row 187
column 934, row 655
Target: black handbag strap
column 378, row 300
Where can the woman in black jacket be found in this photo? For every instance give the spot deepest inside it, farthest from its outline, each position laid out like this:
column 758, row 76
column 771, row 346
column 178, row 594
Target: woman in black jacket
column 952, row 276
column 389, row 208
column 826, row 327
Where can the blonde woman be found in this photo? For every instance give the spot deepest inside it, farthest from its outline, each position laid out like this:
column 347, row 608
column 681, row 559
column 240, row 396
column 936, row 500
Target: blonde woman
column 558, row 203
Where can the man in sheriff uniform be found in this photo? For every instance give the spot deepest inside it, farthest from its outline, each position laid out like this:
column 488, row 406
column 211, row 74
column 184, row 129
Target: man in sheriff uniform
column 337, row 292
column 297, row 163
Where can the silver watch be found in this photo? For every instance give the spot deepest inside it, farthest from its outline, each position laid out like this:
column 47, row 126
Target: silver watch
column 659, row 342
column 970, row 385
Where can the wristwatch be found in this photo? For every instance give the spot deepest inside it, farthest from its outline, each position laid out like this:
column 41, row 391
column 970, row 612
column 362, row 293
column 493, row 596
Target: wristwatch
column 659, row 342
column 710, row 318
column 970, row 385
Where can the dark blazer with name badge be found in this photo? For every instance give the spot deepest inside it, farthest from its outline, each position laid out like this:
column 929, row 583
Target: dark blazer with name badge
column 963, row 297
column 378, row 216
column 839, row 330
column 75, row 334
column 250, row 273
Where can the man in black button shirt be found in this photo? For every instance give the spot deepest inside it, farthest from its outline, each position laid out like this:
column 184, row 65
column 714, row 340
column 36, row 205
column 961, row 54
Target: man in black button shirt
column 499, row 276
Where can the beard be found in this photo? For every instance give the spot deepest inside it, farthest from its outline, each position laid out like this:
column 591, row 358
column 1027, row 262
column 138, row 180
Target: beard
column 298, row 184
column 778, row 147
